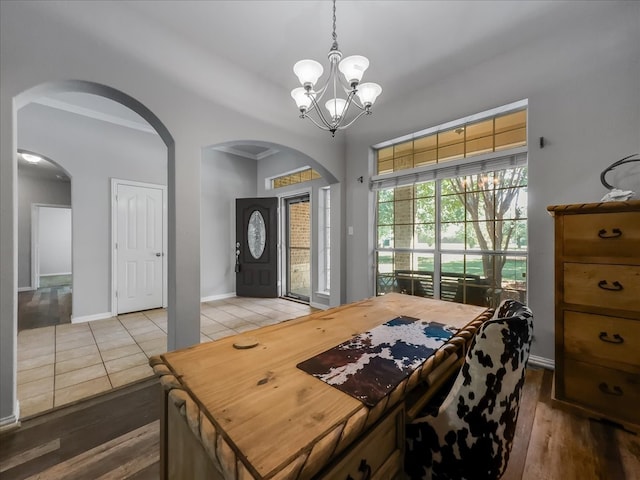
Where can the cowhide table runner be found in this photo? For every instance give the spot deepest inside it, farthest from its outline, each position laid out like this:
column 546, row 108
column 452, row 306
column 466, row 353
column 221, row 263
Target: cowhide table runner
column 372, row 364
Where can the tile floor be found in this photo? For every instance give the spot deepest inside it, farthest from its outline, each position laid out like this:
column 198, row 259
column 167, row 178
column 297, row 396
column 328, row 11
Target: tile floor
column 65, row 363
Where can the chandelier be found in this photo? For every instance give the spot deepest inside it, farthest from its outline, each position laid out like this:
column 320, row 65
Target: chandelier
column 309, row 96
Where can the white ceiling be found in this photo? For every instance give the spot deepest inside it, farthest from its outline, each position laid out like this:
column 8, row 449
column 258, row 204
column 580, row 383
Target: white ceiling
column 241, row 53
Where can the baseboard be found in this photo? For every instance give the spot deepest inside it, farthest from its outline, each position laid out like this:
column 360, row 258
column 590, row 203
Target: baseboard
column 89, row 318
column 25, row 289
column 213, row 298
column 319, row 306
column 11, row 422
column 542, row 362
column 54, row 274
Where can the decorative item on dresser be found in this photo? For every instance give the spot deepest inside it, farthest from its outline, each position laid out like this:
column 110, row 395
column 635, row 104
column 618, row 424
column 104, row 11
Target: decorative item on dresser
column 597, row 319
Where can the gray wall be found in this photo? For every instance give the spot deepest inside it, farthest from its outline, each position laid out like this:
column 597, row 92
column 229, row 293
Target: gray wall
column 223, row 178
column 583, row 87
column 92, row 152
column 34, row 190
column 77, row 40
column 287, row 161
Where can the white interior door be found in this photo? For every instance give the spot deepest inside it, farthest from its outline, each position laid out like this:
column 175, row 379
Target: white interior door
column 139, row 248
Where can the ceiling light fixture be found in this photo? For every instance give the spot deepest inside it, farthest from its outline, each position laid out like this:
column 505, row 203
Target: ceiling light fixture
column 308, row 98
column 31, row 158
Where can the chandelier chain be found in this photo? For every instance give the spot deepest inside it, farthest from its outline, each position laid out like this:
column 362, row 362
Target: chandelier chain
column 335, row 35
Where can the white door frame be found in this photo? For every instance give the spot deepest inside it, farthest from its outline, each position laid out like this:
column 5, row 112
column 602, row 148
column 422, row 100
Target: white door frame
column 35, row 245
column 282, row 244
column 115, row 182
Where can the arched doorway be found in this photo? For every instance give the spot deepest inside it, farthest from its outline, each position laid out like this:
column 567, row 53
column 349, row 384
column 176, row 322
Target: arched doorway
column 9, row 343
column 251, row 169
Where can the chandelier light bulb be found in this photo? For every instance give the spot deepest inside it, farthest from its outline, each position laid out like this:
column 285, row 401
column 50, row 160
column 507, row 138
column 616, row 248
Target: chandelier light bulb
column 368, row 93
column 308, row 71
column 335, row 107
column 353, row 68
column 301, row 98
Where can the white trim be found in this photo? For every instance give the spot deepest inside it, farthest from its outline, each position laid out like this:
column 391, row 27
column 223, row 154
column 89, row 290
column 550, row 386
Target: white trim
column 90, row 318
column 91, row 113
column 213, row 298
column 114, row 237
column 282, row 237
column 26, row 289
column 547, row 363
column 240, row 153
column 11, row 422
column 319, row 306
column 54, row 274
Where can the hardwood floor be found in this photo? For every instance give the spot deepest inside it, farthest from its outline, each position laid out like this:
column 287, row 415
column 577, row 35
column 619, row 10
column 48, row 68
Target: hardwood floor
column 115, row 436
column 44, row 307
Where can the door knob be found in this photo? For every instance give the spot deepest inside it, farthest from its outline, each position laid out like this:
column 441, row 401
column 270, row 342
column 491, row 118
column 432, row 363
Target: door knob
column 158, row 254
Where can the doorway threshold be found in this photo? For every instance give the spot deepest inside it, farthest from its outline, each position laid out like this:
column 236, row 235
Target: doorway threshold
column 296, row 300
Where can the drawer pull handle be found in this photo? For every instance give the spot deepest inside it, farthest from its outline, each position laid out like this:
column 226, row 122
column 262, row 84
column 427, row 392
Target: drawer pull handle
column 615, row 286
column 616, row 232
column 604, row 336
column 365, row 468
column 616, row 391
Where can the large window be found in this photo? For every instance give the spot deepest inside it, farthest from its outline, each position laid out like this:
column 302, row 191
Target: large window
column 460, row 237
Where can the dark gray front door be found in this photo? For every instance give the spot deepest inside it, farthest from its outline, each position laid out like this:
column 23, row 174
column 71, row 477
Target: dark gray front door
column 257, row 247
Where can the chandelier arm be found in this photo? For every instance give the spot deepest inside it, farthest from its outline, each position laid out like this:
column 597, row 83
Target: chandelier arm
column 363, row 112
column 355, row 102
column 347, row 104
column 324, row 121
column 315, row 98
column 321, row 127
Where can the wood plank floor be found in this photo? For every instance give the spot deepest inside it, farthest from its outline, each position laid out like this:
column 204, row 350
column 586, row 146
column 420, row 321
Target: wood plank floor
column 44, row 307
column 115, row 436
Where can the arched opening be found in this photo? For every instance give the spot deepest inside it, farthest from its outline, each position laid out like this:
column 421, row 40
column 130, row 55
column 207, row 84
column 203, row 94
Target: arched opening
column 45, row 271
column 251, row 170
column 27, row 98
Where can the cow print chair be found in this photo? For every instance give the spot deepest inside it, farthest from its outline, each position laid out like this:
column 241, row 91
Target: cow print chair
column 470, row 435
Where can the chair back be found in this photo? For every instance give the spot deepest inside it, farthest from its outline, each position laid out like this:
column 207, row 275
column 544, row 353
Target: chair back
column 471, row 434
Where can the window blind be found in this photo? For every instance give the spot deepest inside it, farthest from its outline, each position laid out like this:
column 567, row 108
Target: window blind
column 468, row 166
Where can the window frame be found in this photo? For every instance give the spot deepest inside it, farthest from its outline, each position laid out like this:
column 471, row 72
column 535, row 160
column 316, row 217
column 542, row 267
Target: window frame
column 437, row 172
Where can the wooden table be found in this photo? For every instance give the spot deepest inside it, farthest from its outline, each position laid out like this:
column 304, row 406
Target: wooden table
column 251, row 414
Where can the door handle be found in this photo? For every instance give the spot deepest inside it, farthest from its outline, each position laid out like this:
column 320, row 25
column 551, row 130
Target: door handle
column 616, row 391
column 615, row 232
column 604, row 336
column 616, row 286
column 365, row 468
column 158, row 254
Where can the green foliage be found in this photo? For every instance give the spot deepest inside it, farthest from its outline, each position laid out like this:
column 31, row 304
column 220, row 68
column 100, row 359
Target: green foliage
column 485, row 211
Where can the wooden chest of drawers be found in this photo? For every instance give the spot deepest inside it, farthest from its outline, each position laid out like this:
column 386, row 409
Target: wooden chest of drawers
column 597, row 310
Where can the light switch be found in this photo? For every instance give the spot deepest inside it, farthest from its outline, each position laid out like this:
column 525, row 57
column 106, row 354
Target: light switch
column 350, row 230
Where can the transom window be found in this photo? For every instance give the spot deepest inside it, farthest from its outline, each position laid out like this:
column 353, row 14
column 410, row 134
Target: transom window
column 301, row 176
column 495, row 134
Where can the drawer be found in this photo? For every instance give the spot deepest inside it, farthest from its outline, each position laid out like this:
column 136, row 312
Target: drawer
column 379, row 451
column 600, row 285
column 602, row 234
column 608, row 338
column 611, row 392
